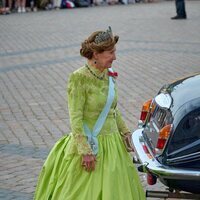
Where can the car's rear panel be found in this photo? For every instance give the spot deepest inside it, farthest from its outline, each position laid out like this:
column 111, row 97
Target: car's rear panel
column 160, row 118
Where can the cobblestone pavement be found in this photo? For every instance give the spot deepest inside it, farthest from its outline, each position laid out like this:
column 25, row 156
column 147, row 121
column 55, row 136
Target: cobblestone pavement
column 39, row 50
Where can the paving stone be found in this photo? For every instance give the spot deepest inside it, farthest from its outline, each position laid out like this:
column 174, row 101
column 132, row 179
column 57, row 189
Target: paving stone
column 37, row 56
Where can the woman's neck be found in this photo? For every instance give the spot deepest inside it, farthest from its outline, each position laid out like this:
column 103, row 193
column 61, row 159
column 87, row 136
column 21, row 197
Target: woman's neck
column 95, row 65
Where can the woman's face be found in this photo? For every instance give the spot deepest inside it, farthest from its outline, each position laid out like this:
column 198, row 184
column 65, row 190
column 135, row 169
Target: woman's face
column 105, row 59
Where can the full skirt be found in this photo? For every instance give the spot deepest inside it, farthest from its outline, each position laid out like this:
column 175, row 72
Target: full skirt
column 115, row 177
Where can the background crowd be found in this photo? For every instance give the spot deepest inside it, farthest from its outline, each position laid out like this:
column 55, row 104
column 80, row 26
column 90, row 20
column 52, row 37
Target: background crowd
column 23, row 6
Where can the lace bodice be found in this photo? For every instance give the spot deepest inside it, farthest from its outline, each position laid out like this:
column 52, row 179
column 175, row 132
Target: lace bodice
column 87, row 96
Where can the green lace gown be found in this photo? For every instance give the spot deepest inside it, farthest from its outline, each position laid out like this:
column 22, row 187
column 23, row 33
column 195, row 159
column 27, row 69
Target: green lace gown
column 115, row 177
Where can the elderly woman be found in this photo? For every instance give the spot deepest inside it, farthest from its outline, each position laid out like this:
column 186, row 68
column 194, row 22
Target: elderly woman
column 92, row 162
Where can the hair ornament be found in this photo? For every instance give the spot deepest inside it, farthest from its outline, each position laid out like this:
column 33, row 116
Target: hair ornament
column 103, row 36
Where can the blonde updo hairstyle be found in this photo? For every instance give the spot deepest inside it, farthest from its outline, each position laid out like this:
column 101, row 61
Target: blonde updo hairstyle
column 88, row 47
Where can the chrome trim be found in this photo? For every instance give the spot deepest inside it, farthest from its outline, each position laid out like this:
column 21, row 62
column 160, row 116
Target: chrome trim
column 156, row 168
column 140, row 123
column 155, row 126
column 195, row 155
column 171, row 195
column 164, row 100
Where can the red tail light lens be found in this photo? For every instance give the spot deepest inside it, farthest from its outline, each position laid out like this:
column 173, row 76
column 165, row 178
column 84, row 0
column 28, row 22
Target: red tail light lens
column 145, row 110
column 147, row 151
column 163, row 136
column 151, row 179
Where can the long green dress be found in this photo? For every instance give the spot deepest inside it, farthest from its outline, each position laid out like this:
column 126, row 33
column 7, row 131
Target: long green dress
column 115, row 177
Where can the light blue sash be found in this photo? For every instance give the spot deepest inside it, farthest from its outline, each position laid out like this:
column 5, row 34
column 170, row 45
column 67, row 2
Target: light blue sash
column 92, row 135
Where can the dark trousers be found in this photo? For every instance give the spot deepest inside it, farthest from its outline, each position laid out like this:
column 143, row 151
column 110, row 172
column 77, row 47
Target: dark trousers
column 28, row 3
column 180, row 8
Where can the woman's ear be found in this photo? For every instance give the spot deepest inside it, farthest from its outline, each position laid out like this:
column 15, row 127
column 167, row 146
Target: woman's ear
column 95, row 55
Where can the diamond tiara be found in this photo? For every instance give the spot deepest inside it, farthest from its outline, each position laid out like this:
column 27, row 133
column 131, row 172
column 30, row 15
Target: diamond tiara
column 103, row 36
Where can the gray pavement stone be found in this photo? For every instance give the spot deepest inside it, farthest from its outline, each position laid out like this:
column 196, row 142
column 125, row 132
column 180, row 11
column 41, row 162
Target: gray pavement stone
column 6, row 194
column 39, row 50
column 26, row 151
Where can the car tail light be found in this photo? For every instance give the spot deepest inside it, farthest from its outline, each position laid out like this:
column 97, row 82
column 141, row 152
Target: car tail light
column 163, row 136
column 151, row 179
column 145, row 110
column 147, row 151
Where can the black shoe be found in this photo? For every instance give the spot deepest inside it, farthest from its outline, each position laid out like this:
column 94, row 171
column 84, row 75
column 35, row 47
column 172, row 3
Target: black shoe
column 179, row 17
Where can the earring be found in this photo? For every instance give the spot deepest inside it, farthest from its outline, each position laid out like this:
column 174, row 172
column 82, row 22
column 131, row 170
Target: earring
column 95, row 62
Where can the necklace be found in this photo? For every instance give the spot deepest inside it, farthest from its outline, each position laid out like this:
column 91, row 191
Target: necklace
column 99, row 77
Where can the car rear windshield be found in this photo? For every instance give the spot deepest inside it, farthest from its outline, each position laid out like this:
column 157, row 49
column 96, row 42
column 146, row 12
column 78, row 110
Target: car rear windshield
column 187, row 132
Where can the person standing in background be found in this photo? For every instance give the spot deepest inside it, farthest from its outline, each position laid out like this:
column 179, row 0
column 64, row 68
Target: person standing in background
column 180, row 10
column 21, row 6
column 6, row 7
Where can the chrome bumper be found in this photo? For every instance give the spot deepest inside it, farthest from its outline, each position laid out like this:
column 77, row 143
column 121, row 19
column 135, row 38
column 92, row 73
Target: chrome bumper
column 153, row 166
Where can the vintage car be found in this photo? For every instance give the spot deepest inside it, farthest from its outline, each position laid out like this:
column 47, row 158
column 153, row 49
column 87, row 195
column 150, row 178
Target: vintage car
column 167, row 141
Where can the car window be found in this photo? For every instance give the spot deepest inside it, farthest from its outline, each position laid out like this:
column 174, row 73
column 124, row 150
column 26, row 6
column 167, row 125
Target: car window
column 187, row 132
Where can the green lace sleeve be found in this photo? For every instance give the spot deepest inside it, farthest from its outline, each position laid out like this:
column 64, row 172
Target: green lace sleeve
column 122, row 127
column 76, row 100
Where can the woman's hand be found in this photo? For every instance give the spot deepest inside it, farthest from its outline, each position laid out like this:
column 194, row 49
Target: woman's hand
column 88, row 162
column 128, row 142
